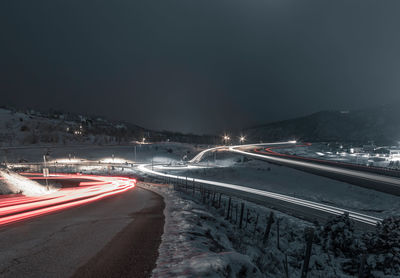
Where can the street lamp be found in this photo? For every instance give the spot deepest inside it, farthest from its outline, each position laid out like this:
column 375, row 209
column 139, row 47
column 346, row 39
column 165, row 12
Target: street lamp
column 226, row 139
column 242, row 139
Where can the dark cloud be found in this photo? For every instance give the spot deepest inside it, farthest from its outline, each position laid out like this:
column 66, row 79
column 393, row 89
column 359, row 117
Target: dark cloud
column 199, row 66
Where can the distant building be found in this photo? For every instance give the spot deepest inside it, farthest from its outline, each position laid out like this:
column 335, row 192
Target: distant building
column 394, row 152
column 356, row 150
column 369, row 148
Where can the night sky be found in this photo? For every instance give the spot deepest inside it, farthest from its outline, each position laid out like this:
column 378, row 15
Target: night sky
column 199, row 66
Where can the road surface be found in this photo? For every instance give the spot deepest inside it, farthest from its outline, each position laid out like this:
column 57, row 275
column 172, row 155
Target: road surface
column 366, row 179
column 295, row 206
column 117, row 236
column 86, row 189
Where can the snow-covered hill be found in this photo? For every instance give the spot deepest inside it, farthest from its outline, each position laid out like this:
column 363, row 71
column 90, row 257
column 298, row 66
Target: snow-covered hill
column 31, row 127
column 20, row 127
column 380, row 124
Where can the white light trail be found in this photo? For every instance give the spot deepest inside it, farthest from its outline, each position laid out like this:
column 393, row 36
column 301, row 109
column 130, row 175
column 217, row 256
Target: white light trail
column 366, row 219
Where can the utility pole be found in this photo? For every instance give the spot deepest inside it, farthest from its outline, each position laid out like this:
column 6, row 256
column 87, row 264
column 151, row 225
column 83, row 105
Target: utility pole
column 135, row 153
column 45, row 171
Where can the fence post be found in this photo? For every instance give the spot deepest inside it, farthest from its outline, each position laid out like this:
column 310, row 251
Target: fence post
column 219, row 200
column 285, row 264
column 277, row 234
column 309, row 240
column 229, row 208
column 255, row 225
column 241, row 215
column 247, row 217
column 236, row 213
column 362, row 266
column 213, row 200
column 268, row 227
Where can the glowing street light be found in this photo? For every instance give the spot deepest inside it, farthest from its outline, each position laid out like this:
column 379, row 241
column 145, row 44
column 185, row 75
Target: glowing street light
column 242, row 139
column 226, row 139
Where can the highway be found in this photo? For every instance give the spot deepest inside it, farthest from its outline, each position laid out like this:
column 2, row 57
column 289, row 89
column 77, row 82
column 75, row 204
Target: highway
column 201, row 154
column 366, row 179
column 353, row 166
column 363, row 176
column 298, row 207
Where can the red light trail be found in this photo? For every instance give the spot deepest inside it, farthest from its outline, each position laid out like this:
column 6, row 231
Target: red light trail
column 17, row 207
column 269, row 151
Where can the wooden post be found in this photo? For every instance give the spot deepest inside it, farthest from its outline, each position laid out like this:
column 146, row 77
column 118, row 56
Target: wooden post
column 277, row 234
column 236, row 213
column 219, row 200
column 268, row 227
column 247, row 218
column 362, row 266
column 255, row 225
column 213, row 200
column 241, row 215
column 285, row 265
column 309, row 240
column 229, row 208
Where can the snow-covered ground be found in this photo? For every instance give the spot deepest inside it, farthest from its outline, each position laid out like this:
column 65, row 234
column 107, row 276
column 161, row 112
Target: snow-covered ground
column 198, row 241
column 11, row 183
column 270, row 177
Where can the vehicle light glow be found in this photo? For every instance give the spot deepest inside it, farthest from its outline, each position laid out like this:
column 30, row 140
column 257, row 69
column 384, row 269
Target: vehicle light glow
column 18, row 207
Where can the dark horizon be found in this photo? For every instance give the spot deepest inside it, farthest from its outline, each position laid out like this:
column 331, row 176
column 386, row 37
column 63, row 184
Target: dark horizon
column 199, row 67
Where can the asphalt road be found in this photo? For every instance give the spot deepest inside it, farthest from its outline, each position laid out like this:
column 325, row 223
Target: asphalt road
column 305, row 209
column 366, row 179
column 114, row 237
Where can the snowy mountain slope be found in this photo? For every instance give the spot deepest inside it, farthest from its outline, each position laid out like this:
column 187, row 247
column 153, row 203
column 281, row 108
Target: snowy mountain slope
column 31, row 127
column 19, row 127
column 380, row 124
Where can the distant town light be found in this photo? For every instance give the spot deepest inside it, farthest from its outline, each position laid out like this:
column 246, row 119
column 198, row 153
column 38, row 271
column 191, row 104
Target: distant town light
column 242, row 139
